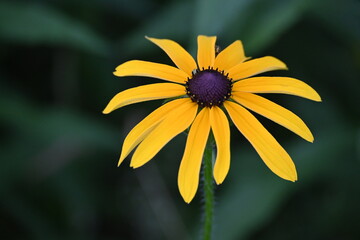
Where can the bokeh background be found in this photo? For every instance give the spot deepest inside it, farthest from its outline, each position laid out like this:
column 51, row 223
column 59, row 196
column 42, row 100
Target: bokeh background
column 58, row 174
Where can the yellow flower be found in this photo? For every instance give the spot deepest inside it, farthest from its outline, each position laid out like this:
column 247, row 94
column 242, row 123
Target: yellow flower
column 204, row 90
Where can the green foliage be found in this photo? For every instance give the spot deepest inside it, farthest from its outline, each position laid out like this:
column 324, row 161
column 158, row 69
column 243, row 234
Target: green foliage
column 58, row 153
column 38, row 24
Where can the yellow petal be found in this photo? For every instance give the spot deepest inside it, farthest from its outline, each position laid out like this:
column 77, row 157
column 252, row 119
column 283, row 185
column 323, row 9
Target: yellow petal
column 274, row 156
column 256, row 66
column 188, row 178
column 175, row 122
column 143, row 128
column 150, row 69
column 206, row 51
column 178, row 54
column 230, row 56
column 283, row 85
column 274, row 112
column 144, row 93
column 220, row 128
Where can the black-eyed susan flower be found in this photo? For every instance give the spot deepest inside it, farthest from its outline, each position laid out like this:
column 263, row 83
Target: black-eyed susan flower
column 218, row 82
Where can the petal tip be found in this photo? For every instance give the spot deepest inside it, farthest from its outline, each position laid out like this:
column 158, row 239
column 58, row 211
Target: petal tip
column 136, row 164
column 185, row 194
column 106, row 111
column 218, row 182
column 309, row 137
column 285, row 67
column 187, row 199
column 289, row 174
column 219, row 178
column 120, row 161
column 148, row 38
column 318, row 98
column 281, row 64
column 294, row 178
column 132, row 165
column 116, row 73
column 291, row 178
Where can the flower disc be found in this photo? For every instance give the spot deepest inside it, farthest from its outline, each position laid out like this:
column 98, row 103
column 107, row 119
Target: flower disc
column 209, row 87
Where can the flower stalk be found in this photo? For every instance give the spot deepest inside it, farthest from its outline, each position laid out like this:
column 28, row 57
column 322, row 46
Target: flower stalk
column 208, row 190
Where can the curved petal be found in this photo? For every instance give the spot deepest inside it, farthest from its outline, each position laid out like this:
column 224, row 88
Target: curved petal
column 144, row 93
column 206, row 51
column 150, row 69
column 220, row 128
column 188, row 178
column 283, row 85
column 256, row 66
column 230, row 56
column 175, row 122
column 274, row 112
column 143, row 128
column 178, row 54
column 274, row 156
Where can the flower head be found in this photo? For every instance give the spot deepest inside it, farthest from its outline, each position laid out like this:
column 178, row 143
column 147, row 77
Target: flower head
column 204, row 90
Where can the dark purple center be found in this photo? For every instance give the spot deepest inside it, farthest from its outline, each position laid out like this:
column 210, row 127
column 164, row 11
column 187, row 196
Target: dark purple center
column 209, row 87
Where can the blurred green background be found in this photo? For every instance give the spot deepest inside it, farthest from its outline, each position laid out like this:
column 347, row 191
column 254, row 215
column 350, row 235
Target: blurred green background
column 58, row 174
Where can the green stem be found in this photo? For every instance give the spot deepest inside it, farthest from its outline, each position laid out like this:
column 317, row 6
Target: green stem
column 208, row 190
